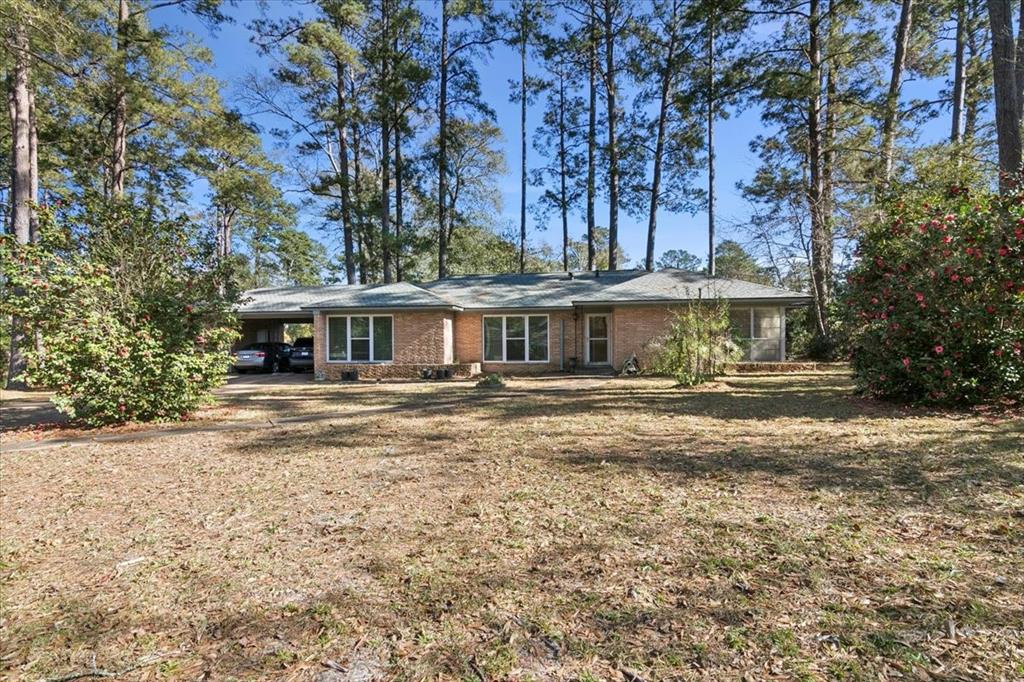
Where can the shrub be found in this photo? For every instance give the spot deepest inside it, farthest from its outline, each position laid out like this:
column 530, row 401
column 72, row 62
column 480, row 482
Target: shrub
column 136, row 333
column 492, row 380
column 698, row 345
column 935, row 304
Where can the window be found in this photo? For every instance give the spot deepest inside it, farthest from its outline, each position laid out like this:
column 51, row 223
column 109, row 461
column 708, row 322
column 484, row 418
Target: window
column 360, row 338
column 739, row 320
column 516, row 338
column 759, row 331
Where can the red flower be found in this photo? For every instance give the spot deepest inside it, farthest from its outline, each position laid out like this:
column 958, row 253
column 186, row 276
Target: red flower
column 946, row 372
column 906, row 363
column 1003, row 251
column 938, row 350
column 919, row 296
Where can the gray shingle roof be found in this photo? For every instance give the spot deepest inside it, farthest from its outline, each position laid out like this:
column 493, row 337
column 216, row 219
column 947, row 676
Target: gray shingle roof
column 284, row 299
column 531, row 290
column 398, row 295
column 492, row 292
column 681, row 285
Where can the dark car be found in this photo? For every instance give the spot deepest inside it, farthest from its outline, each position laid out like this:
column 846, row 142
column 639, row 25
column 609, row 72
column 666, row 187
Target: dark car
column 270, row 357
column 302, row 354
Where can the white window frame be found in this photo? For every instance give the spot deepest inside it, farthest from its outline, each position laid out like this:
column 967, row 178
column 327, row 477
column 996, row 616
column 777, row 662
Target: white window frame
column 504, row 339
column 348, row 340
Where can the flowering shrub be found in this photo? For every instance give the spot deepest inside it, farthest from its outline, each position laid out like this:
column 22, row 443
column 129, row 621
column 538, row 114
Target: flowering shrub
column 698, row 345
column 142, row 338
column 935, row 304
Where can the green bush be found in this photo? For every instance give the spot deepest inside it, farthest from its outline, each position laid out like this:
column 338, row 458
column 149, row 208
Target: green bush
column 133, row 323
column 935, row 303
column 698, row 345
column 492, row 380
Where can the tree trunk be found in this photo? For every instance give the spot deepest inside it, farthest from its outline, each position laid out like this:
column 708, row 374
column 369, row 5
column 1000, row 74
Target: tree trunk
column 659, row 146
column 711, row 145
column 357, row 225
column 385, row 159
column 398, row 199
column 972, row 94
column 613, row 146
column 522, row 128
column 119, row 129
column 23, row 184
column 442, row 151
column 892, row 99
column 563, row 203
column 821, row 243
column 346, row 194
column 956, row 130
column 1007, row 97
column 592, row 140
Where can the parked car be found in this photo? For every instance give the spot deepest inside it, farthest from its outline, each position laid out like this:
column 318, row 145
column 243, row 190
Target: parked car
column 302, row 354
column 271, row 357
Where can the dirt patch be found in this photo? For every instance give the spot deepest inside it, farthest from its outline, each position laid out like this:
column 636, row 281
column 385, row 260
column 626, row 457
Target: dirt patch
column 767, row 527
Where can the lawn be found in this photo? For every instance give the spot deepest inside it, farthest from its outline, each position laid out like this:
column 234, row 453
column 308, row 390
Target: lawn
column 602, row 529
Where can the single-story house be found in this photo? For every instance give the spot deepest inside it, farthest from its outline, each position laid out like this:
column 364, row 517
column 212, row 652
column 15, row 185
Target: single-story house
column 511, row 323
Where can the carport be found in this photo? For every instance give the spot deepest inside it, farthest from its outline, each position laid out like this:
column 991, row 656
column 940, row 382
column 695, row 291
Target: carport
column 263, row 313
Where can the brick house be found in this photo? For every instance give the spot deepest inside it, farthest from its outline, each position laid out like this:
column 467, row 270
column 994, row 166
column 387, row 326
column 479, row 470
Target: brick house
column 512, row 324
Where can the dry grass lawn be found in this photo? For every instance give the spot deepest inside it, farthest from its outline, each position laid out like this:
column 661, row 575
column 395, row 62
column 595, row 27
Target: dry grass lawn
column 764, row 527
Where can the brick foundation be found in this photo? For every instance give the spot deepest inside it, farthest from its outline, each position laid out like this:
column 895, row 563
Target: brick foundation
column 388, row 370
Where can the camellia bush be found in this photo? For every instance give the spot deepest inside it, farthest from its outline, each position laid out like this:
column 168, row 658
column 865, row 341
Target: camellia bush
column 935, row 304
column 698, row 345
column 129, row 314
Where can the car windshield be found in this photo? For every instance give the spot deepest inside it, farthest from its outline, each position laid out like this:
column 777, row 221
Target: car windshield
column 254, row 346
column 303, row 343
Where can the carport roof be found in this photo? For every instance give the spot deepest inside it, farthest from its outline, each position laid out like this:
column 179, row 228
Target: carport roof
column 285, row 300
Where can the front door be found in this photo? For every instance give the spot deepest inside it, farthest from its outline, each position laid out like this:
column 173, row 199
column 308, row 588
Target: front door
column 597, row 341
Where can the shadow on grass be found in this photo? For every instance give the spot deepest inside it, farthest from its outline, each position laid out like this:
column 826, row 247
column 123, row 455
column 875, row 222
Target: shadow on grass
column 808, row 430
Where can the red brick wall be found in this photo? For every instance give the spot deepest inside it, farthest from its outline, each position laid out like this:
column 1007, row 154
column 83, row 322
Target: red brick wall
column 633, row 328
column 469, row 345
column 421, row 339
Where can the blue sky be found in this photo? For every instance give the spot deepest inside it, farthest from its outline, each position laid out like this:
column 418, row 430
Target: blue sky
column 235, row 57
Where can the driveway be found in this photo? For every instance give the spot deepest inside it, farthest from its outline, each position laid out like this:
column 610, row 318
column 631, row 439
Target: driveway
column 250, row 382
column 21, row 409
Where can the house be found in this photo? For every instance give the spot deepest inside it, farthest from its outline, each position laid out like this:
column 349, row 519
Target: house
column 513, row 324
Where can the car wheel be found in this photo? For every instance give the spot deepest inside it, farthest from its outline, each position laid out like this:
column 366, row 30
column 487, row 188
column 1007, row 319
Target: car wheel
column 241, row 371
column 275, row 367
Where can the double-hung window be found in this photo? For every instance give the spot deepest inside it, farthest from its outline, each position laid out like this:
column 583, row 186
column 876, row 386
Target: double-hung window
column 515, row 338
column 360, row 338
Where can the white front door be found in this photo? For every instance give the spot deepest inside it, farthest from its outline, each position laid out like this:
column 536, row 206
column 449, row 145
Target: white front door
column 598, row 340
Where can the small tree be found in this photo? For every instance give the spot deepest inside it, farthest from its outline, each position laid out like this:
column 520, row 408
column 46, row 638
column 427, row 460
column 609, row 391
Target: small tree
column 133, row 323
column 698, row 346
column 935, row 304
